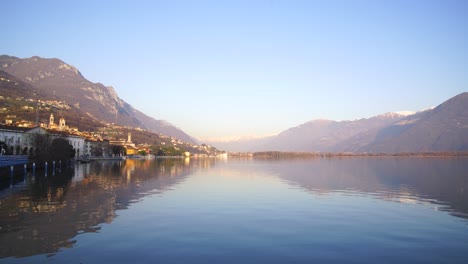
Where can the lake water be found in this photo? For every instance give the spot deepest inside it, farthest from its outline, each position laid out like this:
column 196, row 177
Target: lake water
column 351, row 210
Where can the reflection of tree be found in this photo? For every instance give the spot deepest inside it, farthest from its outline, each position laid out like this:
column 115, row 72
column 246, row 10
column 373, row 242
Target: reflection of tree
column 435, row 180
column 52, row 210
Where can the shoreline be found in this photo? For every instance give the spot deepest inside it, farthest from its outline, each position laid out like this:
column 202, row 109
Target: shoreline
column 280, row 154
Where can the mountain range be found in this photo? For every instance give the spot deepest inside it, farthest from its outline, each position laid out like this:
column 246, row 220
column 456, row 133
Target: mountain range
column 54, row 78
column 443, row 128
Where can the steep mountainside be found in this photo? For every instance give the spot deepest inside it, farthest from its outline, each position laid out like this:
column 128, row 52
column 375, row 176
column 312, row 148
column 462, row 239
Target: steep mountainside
column 96, row 100
column 19, row 99
column 14, row 87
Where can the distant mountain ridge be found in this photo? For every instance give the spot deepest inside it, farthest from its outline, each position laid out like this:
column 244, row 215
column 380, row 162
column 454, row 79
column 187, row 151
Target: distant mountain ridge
column 443, row 128
column 65, row 82
column 322, row 135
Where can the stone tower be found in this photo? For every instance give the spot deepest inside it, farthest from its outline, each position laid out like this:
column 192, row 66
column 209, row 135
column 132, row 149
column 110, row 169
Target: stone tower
column 62, row 123
column 51, row 121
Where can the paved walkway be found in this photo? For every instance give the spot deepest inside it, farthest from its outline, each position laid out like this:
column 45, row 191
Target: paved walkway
column 9, row 160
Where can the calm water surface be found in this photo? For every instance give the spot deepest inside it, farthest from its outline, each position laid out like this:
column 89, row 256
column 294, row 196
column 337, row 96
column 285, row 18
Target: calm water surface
column 354, row 210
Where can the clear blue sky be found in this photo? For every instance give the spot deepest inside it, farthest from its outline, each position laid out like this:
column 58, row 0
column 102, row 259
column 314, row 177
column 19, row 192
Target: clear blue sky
column 232, row 68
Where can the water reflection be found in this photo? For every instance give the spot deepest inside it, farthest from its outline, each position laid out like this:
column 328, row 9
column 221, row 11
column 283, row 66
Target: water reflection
column 43, row 214
column 442, row 182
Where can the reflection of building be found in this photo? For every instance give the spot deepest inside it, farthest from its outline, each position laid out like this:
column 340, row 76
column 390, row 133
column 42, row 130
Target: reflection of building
column 41, row 220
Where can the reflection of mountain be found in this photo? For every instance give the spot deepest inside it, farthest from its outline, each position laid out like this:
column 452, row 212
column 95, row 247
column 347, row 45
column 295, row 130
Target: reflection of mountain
column 442, row 182
column 50, row 211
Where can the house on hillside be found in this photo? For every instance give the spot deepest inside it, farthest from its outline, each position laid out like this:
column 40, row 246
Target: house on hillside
column 130, row 148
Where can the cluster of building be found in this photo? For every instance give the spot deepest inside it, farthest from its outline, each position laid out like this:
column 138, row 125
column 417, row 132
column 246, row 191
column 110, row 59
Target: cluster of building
column 19, row 140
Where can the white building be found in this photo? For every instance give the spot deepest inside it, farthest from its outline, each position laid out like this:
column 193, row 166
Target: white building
column 19, row 140
column 97, row 148
column 78, row 144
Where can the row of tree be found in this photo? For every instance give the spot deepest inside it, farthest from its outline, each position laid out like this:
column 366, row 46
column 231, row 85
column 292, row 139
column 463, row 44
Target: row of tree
column 46, row 148
column 280, row 154
column 167, row 151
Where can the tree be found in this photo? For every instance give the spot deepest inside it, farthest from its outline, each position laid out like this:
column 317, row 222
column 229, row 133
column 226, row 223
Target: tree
column 96, row 149
column 3, row 148
column 167, row 151
column 62, row 149
column 41, row 144
column 48, row 149
column 117, row 150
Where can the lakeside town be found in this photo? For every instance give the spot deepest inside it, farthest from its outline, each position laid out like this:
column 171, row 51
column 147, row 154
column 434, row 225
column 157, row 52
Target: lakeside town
column 18, row 142
column 108, row 141
column 17, row 137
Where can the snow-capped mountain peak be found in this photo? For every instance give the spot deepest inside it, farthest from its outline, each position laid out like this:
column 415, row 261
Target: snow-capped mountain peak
column 406, row 113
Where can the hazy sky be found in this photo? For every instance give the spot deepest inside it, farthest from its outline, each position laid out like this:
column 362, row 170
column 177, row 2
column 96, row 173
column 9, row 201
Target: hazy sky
column 233, row 68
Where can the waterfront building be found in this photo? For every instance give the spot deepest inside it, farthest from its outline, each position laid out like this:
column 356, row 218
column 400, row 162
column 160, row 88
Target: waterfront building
column 19, row 140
